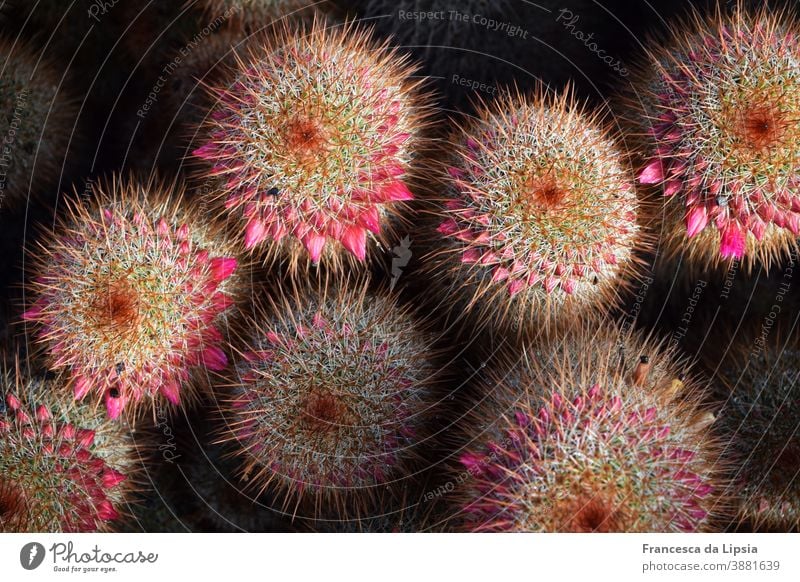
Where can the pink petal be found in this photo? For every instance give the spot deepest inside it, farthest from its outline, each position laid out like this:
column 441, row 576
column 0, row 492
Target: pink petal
column 696, row 220
column 315, row 243
column 500, row 274
column 793, row 222
column 372, row 219
column 81, row 387
column 106, row 511
column 222, row 267
column 653, row 173
column 171, row 391
column 255, row 233
column 13, row 402
column 396, row 192
column 111, row 478
column 86, row 438
column 470, row 256
column 355, row 241
column 448, row 227
column 733, row 242
column 206, row 151
column 515, row 286
column 214, row 358
column 114, row 405
column 33, row 313
column 672, row 187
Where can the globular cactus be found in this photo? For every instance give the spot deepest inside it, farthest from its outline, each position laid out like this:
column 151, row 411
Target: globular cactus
column 717, row 105
column 756, row 376
column 63, row 467
column 38, row 122
column 541, row 218
column 331, row 397
column 595, row 433
column 313, row 143
column 130, row 293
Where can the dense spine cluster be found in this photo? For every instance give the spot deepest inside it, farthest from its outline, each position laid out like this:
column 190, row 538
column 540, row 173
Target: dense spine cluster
column 63, row 468
column 331, row 396
column 759, row 422
column 313, row 143
column 541, row 215
column 720, row 106
column 129, row 294
column 579, row 440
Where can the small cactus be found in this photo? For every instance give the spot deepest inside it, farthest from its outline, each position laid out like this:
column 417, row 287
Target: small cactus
column 130, row 292
column 313, row 143
column 331, row 396
column 718, row 105
column 756, row 375
column 576, row 438
column 63, row 468
column 37, row 123
column 541, row 217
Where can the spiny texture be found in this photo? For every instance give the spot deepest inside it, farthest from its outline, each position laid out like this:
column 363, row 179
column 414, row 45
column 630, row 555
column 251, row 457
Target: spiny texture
column 720, row 102
column 758, row 379
column 37, row 122
column 63, row 468
column 541, row 215
column 331, row 395
column 578, row 441
column 129, row 294
column 313, row 142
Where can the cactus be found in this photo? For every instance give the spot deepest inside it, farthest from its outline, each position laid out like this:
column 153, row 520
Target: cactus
column 573, row 439
column 63, row 467
column 541, row 214
column 331, row 396
column 718, row 104
column 130, row 292
column 37, row 123
column 313, row 143
column 756, row 375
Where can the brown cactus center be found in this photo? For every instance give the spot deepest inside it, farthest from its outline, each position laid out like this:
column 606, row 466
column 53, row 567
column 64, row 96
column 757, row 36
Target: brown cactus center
column 540, row 194
column 322, row 412
column 116, row 306
column 305, row 137
column 760, row 127
column 587, row 513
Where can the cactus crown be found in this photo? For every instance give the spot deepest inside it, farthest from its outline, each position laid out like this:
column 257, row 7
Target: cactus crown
column 129, row 291
column 313, row 139
column 331, row 392
column 592, row 445
column 63, row 468
column 722, row 104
